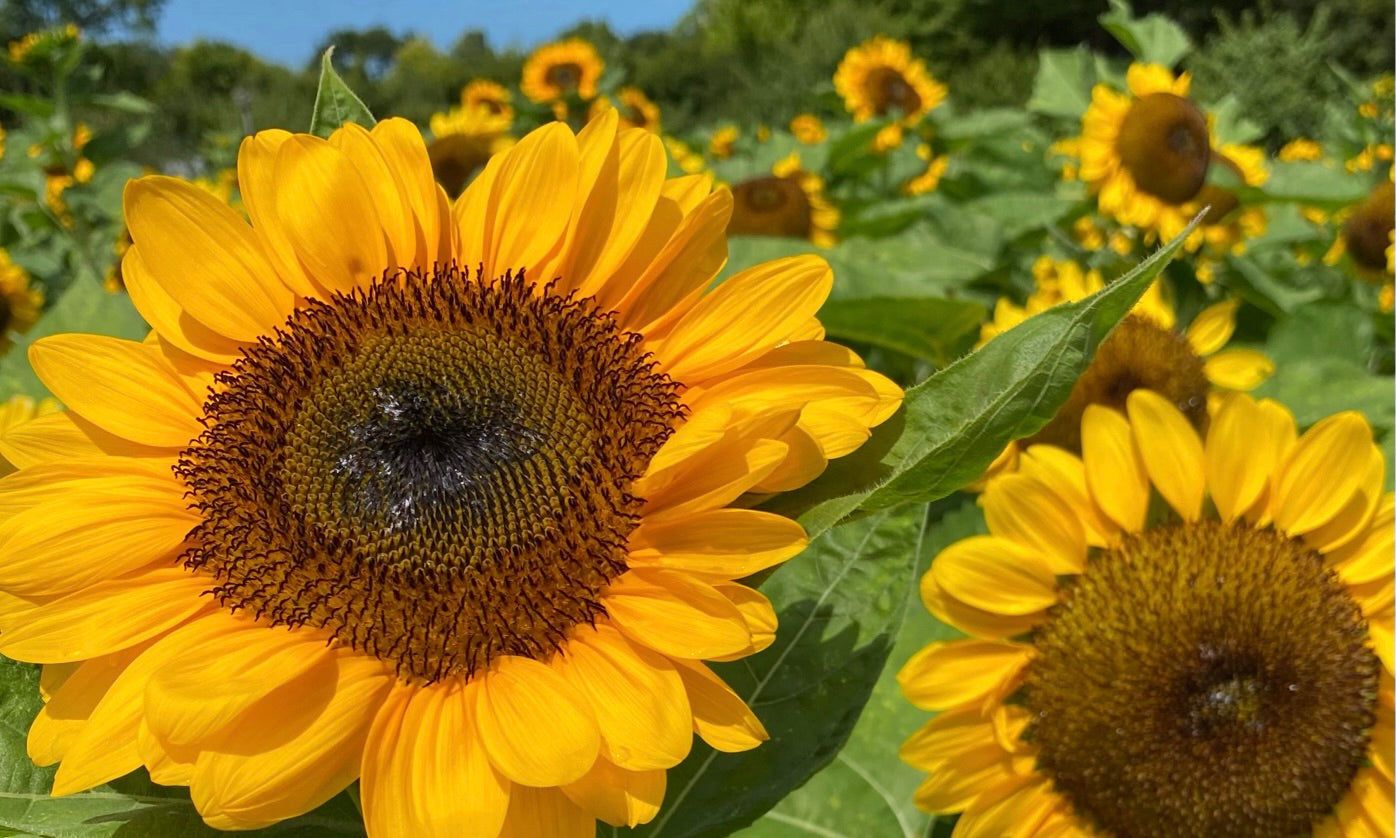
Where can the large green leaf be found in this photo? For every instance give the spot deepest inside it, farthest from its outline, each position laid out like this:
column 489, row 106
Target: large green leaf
column 840, row 604
column 953, row 424
column 1152, row 39
column 1312, row 182
column 929, row 328
column 335, row 103
column 1063, row 84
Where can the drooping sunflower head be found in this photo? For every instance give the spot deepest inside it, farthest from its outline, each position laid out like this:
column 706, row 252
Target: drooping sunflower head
column 788, row 203
column 808, row 129
column 880, row 77
column 1173, row 634
column 454, row 490
column 490, row 96
column 1144, row 152
column 561, row 69
column 465, row 140
column 20, row 302
column 1366, row 232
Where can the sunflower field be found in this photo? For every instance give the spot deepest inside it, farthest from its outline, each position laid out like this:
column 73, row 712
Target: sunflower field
column 910, row 465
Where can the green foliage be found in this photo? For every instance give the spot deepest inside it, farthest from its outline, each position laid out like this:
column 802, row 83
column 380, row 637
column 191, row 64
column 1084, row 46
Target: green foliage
column 335, row 103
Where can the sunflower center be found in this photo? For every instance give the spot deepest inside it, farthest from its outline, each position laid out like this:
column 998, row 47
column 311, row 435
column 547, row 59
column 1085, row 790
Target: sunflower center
column 1163, row 143
column 455, row 157
column 1203, row 679
column 435, row 470
column 1139, row 354
column 770, row 206
column 889, row 88
column 564, row 76
column 1367, row 231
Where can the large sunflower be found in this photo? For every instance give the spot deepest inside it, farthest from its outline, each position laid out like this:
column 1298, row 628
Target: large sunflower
column 1144, row 153
column 560, row 69
column 789, row 203
column 1170, row 636
column 879, row 77
column 1229, row 223
column 436, row 497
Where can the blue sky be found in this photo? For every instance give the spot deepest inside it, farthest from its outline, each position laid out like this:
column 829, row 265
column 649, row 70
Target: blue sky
column 288, row 30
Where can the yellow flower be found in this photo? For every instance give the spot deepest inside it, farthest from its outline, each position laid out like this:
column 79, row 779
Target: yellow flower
column 879, row 77
column 1168, row 631
column 115, row 282
column 1365, row 234
column 689, row 161
column 1067, row 154
column 560, row 69
column 721, row 144
column 1369, row 156
column 14, row 413
column 1301, row 149
column 465, row 140
column 439, row 498
column 1228, row 224
column 20, row 302
column 1144, row 153
column 928, row 180
column 493, row 97
column 808, row 129
column 636, row 109
column 1146, row 351
column 789, row 203
column 888, row 137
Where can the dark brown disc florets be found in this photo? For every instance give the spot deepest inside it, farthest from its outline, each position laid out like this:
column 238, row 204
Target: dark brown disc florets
column 435, row 470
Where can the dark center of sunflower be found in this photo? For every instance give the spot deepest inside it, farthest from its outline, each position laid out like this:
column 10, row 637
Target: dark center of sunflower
column 436, row 470
column 455, row 157
column 1139, row 354
column 1367, row 231
column 7, row 316
column 1222, row 201
column 770, row 206
column 1203, row 680
column 1163, row 143
column 564, row 76
column 889, row 89
column 494, row 106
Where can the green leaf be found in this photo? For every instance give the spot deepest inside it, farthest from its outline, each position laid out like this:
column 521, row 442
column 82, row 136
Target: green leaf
column 84, row 307
column 1022, row 212
column 1329, row 329
column 977, row 125
column 1313, row 182
column 1063, row 84
column 952, row 425
column 840, row 605
column 929, row 328
column 867, row 790
column 1152, row 39
column 335, row 103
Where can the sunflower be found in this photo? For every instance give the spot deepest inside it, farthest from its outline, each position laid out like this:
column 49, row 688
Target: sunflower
column 1146, row 351
column 879, row 77
column 788, row 203
column 1173, row 635
column 490, row 96
column 1229, row 224
column 20, row 302
column 1365, row 234
column 808, row 129
column 373, row 502
column 1145, row 153
column 466, row 139
column 560, row 69
column 928, row 180
column 723, row 141
column 636, row 109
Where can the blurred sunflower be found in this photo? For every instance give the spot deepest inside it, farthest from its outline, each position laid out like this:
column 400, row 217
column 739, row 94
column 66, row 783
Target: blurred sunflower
column 1146, row 351
column 372, row 502
column 1300, row 149
column 490, row 96
column 20, row 302
column 1368, row 158
column 1173, row 634
column 1365, row 234
column 1229, row 224
column 1145, row 153
column 723, row 141
column 788, row 203
column 928, row 180
column 808, row 129
column 879, row 77
column 555, row 71
column 635, row 108
column 689, row 161
column 465, row 140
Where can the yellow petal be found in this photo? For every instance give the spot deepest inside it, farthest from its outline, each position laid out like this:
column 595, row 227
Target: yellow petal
column 65, row 437
column 235, row 791
column 390, row 201
column 748, row 314
column 537, row 812
column 1171, row 451
column 715, row 480
column 1239, row 456
column 1212, row 327
column 1016, row 814
column 720, row 716
column 666, row 283
column 971, row 620
column 402, row 148
column 946, row 738
column 636, row 695
column 205, row 257
column 1065, row 474
column 980, row 777
column 102, row 618
column 1369, row 557
column 257, row 187
column 169, row 318
column 65, row 713
column 1115, row 473
column 1355, row 518
column 123, row 387
column 1323, row 470
column 531, row 201
column 1026, row 511
column 639, row 177
column 1238, row 369
column 536, row 728
column 425, row 771
column 676, row 614
column 953, row 672
column 717, row 544
column 994, row 574
column 617, row 796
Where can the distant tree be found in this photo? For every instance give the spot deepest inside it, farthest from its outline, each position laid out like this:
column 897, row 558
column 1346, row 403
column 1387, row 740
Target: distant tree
column 367, row 53
column 18, row 17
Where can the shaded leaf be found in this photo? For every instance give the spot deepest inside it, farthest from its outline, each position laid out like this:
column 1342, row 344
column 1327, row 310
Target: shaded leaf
column 1152, row 39
column 928, row 328
column 1063, row 84
column 335, row 103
